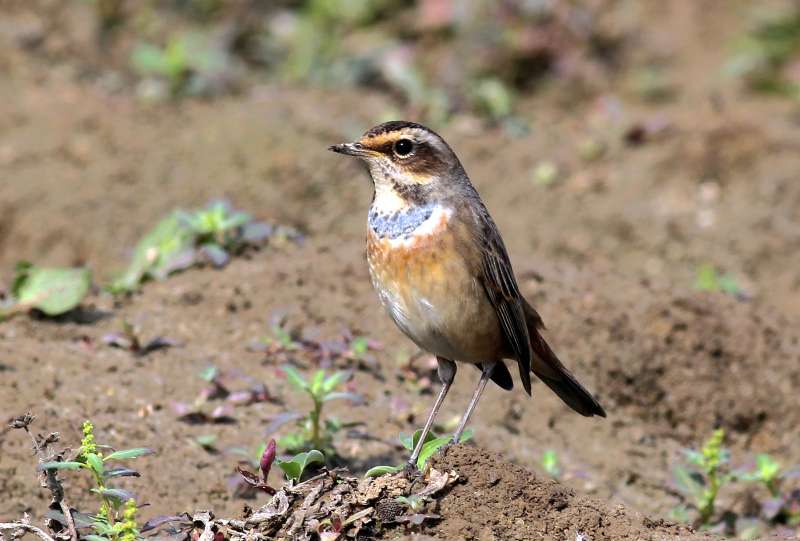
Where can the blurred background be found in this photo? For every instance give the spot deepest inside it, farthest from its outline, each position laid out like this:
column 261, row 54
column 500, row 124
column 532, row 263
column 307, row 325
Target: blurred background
column 640, row 158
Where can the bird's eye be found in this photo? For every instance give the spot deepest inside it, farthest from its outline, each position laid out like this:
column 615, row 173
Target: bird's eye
column 403, row 147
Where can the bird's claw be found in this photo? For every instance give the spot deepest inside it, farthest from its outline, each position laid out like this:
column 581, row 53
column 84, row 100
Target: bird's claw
column 410, row 471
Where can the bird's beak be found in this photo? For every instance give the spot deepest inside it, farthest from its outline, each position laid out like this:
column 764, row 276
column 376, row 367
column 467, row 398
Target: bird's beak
column 352, row 149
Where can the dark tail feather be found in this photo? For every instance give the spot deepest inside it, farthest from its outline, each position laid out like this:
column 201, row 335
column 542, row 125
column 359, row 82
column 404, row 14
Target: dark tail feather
column 501, row 376
column 546, row 366
column 574, row 395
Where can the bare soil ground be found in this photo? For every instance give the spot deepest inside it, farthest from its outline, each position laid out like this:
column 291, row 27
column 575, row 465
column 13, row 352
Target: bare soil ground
column 607, row 254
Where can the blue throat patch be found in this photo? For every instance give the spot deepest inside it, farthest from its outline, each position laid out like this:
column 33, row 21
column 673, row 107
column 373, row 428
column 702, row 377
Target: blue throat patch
column 398, row 224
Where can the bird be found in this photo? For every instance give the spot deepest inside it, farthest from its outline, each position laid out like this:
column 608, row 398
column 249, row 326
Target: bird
column 442, row 272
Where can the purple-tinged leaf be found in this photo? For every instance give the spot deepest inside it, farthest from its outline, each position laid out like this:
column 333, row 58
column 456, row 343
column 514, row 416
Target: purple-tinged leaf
column 257, row 346
column 417, row 518
column 184, row 520
column 772, row 507
column 355, row 398
column 257, row 232
column 240, row 397
column 280, row 420
column 81, row 520
column 121, row 472
column 794, row 473
column 222, row 411
column 254, row 481
column 181, row 408
column 159, row 342
column 175, row 262
column 217, row 391
column 115, row 493
column 117, row 340
column 215, row 254
column 267, row 458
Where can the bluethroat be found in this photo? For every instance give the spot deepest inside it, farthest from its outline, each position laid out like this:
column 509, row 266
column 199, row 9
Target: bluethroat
column 442, row 272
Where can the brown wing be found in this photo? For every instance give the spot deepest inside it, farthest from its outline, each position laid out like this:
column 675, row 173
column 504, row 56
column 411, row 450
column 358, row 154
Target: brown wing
column 501, row 288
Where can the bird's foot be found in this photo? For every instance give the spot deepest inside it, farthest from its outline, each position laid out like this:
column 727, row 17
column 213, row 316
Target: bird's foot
column 410, row 471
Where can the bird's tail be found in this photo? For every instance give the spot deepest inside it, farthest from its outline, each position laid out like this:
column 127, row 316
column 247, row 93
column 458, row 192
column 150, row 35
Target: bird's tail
column 546, row 366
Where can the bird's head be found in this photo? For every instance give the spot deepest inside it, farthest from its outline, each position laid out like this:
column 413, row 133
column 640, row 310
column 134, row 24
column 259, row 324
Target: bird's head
column 407, row 158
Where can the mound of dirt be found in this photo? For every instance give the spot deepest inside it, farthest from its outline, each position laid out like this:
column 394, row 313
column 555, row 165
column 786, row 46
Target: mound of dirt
column 494, row 499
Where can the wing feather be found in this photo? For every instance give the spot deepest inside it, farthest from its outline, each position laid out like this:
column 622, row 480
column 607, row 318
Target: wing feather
column 501, row 288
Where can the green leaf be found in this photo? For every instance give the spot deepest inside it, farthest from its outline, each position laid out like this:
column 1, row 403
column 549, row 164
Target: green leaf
column 410, row 441
column 95, row 462
column 689, row 482
column 129, row 453
column 20, row 275
column 156, row 253
column 54, row 291
column 680, row 514
column 294, row 441
column 117, row 494
column 333, row 381
column 407, row 441
column 316, row 383
column 493, row 97
column 341, row 396
column 206, row 441
column 295, row 467
column 430, row 448
column 412, row 501
column 377, row 471
column 694, row 457
column 707, row 278
column 294, row 378
column 102, row 527
column 93, row 537
column 550, row 463
column 768, row 469
column 359, row 345
column 61, row 465
column 149, row 59
column 209, row 373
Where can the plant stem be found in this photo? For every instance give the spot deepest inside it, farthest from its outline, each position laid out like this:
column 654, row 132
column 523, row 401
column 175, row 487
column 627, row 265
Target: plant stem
column 106, row 502
column 315, row 428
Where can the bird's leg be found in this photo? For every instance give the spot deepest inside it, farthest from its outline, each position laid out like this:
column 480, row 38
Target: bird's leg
column 486, row 373
column 447, row 373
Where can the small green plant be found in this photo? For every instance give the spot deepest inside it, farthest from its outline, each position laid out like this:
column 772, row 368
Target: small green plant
column 189, row 63
column 54, row 291
column 315, row 432
column 767, row 472
column 782, row 506
column 767, row 55
column 493, row 97
column 710, row 279
column 413, row 502
column 295, row 466
column 551, row 464
column 187, row 238
column 545, row 173
column 431, row 446
column 707, row 474
column 116, row 518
